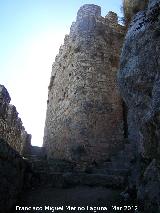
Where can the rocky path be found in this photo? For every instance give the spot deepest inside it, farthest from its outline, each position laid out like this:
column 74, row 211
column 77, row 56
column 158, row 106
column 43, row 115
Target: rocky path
column 56, row 184
column 81, row 199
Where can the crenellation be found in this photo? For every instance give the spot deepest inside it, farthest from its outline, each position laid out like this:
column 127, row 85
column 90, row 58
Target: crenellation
column 88, row 10
column 112, row 17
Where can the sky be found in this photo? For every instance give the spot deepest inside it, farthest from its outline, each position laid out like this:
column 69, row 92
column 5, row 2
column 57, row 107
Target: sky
column 31, row 32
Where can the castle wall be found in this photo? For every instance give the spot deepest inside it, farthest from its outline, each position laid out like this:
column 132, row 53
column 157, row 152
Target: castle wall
column 84, row 119
column 11, row 128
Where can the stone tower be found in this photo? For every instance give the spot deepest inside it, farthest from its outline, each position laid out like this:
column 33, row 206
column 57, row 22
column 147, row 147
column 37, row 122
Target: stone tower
column 84, row 120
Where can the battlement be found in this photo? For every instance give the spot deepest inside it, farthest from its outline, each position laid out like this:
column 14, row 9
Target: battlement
column 112, row 17
column 88, row 10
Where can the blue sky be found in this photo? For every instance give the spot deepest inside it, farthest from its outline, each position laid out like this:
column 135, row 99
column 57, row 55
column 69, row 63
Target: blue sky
column 31, row 34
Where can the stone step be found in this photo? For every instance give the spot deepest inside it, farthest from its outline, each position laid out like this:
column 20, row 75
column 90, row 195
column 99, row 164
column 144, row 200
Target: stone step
column 39, row 169
column 39, row 164
column 105, row 180
column 112, row 171
column 107, row 164
column 120, row 164
column 35, row 159
column 123, row 155
column 67, row 180
column 124, row 172
column 129, row 148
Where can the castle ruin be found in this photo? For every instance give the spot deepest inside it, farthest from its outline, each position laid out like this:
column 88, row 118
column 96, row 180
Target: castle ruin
column 84, row 118
column 87, row 121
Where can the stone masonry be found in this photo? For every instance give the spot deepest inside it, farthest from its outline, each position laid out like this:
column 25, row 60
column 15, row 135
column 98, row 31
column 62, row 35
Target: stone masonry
column 11, row 128
column 84, row 120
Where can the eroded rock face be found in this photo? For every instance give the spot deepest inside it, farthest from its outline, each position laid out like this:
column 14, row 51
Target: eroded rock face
column 139, row 79
column 84, row 118
column 139, row 82
column 11, row 127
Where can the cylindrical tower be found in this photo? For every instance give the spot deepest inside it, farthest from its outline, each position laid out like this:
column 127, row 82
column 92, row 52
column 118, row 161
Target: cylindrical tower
column 84, row 119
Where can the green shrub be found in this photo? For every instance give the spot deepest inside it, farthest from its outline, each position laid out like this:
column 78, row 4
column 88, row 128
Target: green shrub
column 131, row 7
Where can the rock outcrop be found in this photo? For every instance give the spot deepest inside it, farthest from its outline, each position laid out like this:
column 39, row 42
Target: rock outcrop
column 139, row 81
column 11, row 128
column 84, row 120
